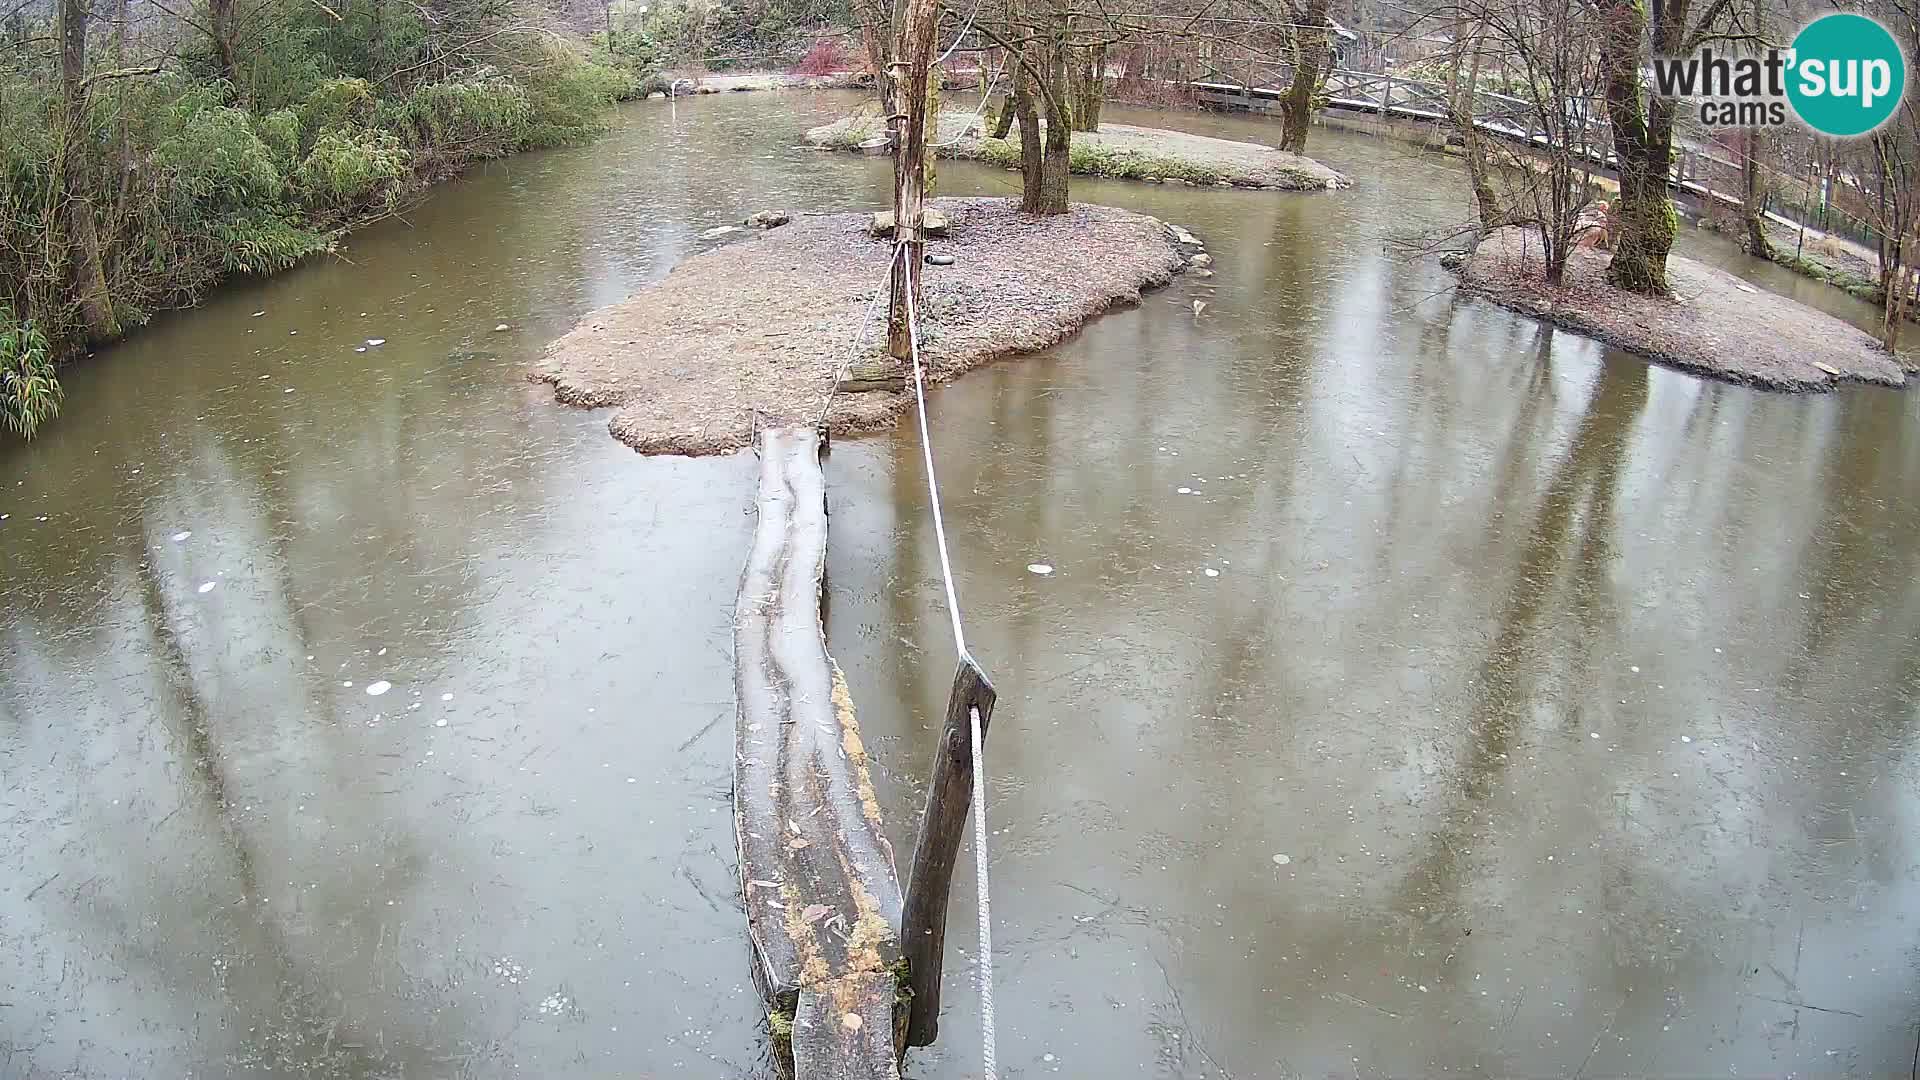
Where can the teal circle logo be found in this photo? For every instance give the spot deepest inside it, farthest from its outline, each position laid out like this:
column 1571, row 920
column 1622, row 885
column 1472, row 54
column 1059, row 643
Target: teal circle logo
column 1848, row 75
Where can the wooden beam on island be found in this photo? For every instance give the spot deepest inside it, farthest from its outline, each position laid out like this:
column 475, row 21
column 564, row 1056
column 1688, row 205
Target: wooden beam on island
column 816, row 872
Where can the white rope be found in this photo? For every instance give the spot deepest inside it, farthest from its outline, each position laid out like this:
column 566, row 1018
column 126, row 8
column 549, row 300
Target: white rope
column 933, row 486
column 845, row 367
column 984, row 902
column 980, row 880
column 978, row 111
column 964, row 31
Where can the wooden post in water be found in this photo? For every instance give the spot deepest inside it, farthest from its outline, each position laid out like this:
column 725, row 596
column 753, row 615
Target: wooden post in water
column 910, row 72
column 923, row 921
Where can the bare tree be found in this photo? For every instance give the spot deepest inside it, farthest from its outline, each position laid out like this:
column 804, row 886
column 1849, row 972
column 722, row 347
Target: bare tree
column 1895, row 153
column 1547, row 46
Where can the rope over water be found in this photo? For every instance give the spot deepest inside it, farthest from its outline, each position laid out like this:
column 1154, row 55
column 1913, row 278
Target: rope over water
column 992, row 1070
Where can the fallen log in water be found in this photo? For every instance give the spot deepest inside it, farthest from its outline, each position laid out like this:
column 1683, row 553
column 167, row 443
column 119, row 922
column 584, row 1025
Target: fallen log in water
column 816, row 873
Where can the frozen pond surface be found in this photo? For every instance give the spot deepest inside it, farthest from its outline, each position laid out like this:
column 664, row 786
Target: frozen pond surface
column 1486, row 703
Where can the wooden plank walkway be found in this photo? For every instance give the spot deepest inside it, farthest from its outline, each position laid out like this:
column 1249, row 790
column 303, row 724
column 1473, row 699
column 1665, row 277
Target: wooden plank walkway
column 816, row 873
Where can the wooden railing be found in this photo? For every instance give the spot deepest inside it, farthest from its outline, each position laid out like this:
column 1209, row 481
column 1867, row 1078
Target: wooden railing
column 1515, row 119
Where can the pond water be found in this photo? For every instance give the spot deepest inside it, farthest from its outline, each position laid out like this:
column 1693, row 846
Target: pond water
column 1487, row 703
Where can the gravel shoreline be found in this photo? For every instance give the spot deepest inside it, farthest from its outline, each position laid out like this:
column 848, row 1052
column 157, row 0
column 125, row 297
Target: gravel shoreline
column 756, row 332
column 1715, row 325
column 1116, row 151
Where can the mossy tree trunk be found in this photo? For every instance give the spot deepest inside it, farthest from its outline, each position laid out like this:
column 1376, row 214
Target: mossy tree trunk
column 1311, row 57
column 1753, row 198
column 1030, row 151
column 1461, row 113
column 1049, row 57
column 1089, row 81
column 1053, row 166
column 1642, row 147
column 73, row 180
column 1002, row 113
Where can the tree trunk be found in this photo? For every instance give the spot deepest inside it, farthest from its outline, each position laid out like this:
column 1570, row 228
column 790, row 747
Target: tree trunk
column 876, row 34
column 74, row 176
column 220, row 21
column 1310, row 56
column 1030, row 152
column 911, row 72
column 1897, row 283
column 1048, row 187
column 1003, row 117
column 1054, row 184
column 1643, row 149
column 1089, row 78
column 1460, row 108
column 1753, row 199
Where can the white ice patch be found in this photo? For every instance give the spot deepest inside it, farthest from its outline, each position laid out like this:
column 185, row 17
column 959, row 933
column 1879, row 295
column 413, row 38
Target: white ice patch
column 179, row 536
column 446, row 697
column 1282, row 860
column 1211, row 572
column 1183, row 491
column 376, row 342
column 207, row 586
column 1039, row 568
column 378, row 687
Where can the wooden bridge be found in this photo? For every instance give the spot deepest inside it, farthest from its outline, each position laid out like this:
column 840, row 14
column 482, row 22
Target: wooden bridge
column 1262, row 83
column 816, row 875
column 849, row 972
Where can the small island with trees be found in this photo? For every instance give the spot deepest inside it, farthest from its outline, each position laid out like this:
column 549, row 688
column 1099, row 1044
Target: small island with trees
column 148, row 154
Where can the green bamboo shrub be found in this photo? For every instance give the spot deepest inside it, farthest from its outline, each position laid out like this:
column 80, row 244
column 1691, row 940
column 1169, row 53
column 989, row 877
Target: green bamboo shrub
column 29, row 393
column 350, row 171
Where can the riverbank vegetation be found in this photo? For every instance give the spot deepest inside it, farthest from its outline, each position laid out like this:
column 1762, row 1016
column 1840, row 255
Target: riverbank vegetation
column 145, row 156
